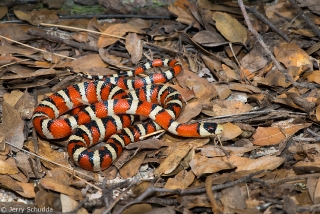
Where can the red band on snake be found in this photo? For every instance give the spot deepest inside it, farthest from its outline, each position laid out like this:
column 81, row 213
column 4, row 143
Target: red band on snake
column 112, row 104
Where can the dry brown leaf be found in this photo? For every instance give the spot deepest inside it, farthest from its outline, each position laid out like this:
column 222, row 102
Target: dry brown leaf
column 306, row 167
column 68, row 205
column 255, row 59
column 239, row 151
column 110, row 59
column 25, row 105
column 24, row 189
column 304, row 32
column 232, row 131
column 134, row 47
column 229, row 107
column 13, row 97
column 6, row 168
column 8, row 49
column 52, row 57
column 173, row 160
column 223, row 91
column 228, row 198
column 311, row 186
column 138, row 208
column 184, row 16
column 47, row 152
column 12, row 126
column 276, row 78
column 3, row 11
column 140, row 24
column 191, row 110
column 131, row 168
column 80, row 37
column 88, row 61
column 313, row 76
column 288, row 101
column 19, row 176
column 202, row 165
column 248, row 164
column 231, row 75
column 318, row 113
column 181, row 181
column 244, row 88
column 117, row 30
column 230, row 27
column 28, row 190
column 150, row 143
column 10, row 183
column 316, row 193
column 36, row 17
column 212, row 151
column 24, row 164
column 200, row 86
column 189, row 201
column 40, row 72
column 54, row 185
column 59, row 174
column 291, row 54
column 186, row 93
column 266, row 136
column 50, row 199
column 209, row 39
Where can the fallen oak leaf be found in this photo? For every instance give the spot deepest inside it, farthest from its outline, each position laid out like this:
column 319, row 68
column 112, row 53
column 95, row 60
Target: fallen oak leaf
column 6, row 168
column 230, row 27
column 181, row 181
column 202, row 165
column 52, row 184
column 266, row 136
column 253, row 165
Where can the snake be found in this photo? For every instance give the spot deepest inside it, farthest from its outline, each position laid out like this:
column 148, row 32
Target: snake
column 108, row 106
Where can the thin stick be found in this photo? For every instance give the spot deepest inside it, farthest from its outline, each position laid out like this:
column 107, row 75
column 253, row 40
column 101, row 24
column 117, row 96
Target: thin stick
column 28, row 46
column 12, row 63
column 82, row 29
column 307, row 20
column 266, row 49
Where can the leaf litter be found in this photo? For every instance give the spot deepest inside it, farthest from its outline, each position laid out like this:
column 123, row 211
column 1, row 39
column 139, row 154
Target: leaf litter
column 262, row 89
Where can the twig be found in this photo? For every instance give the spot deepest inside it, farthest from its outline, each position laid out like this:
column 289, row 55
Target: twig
column 46, row 36
column 79, row 206
column 133, row 183
column 28, row 46
column 81, row 29
column 307, row 20
column 267, row 22
column 290, row 179
column 153, row 189
column 307, row 139
column 113, row 16
column 215, row 207
column 266, row 49
column 313, row 133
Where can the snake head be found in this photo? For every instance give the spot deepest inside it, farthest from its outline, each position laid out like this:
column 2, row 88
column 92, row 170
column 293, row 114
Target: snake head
column 209, row 129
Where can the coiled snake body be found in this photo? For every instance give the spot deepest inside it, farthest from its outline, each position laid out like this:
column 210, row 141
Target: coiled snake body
column 112, row 102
